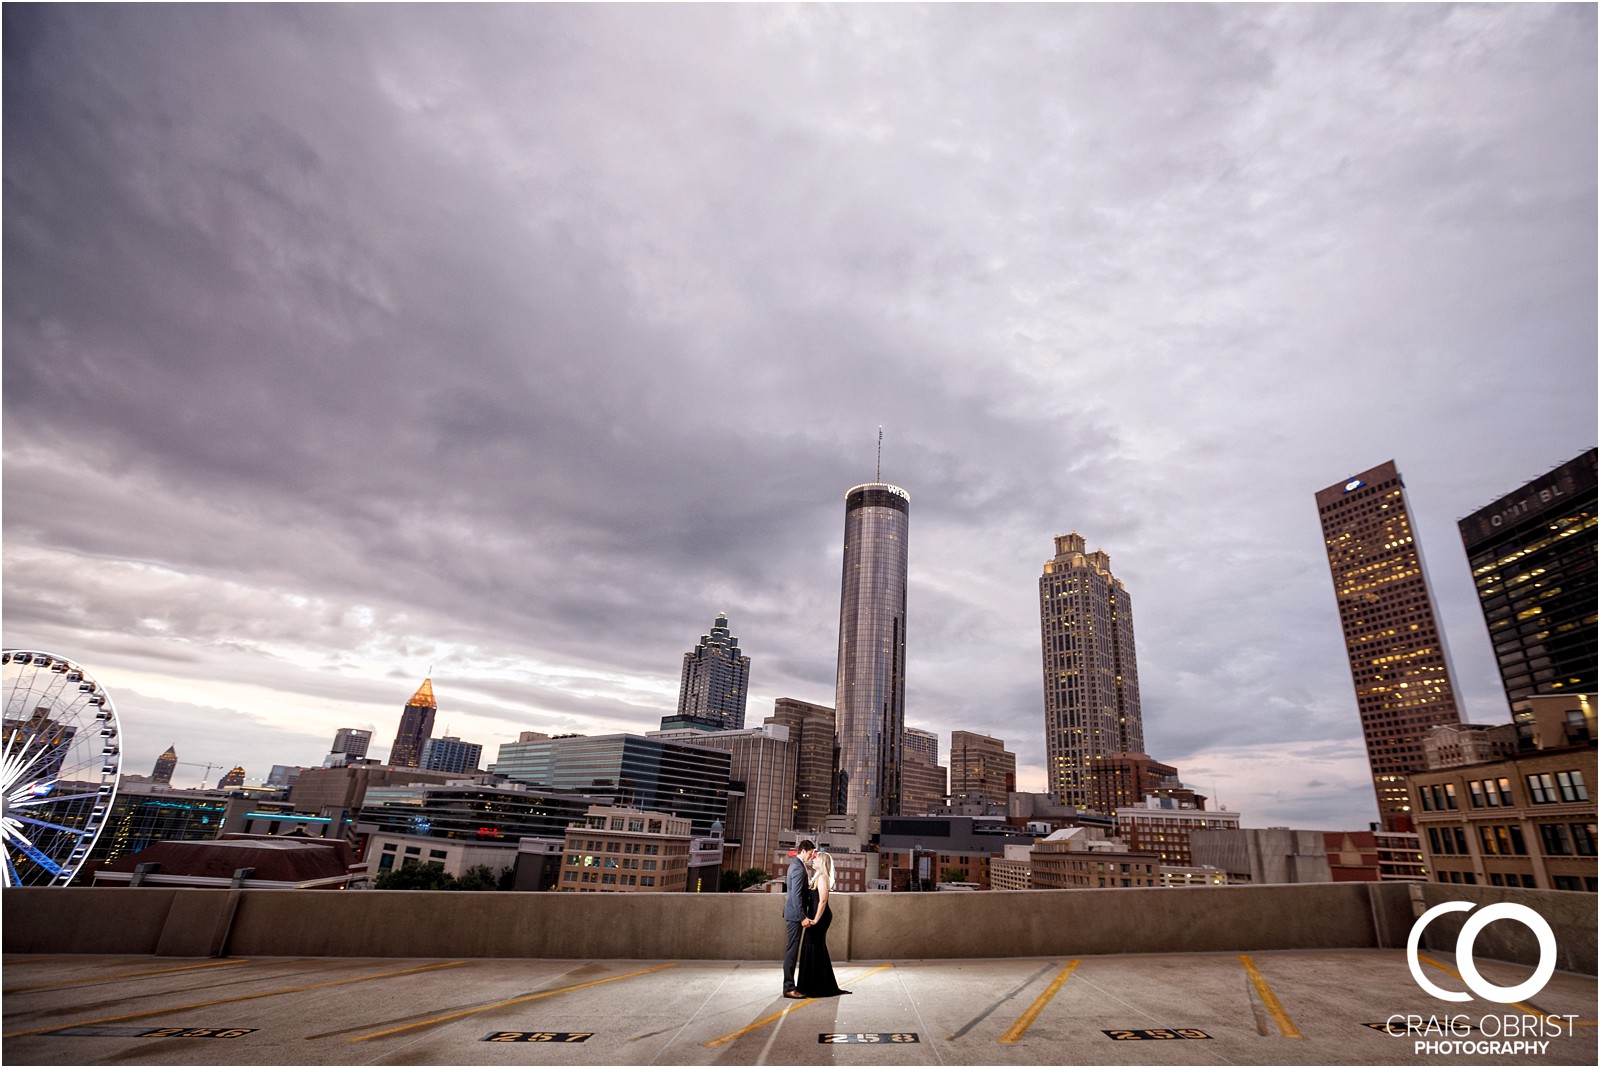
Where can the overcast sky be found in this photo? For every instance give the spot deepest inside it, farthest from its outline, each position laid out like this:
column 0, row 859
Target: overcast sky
column 343, row 344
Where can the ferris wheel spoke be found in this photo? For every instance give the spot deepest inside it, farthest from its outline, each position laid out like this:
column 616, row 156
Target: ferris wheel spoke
column 12, row 879
column 49, row 695
column 18, row 701
column 33, row 751
column 25, row 796
column 18, row 761
column 14, row 829
column 80, row 832
column 51, row 800
column 39, row 858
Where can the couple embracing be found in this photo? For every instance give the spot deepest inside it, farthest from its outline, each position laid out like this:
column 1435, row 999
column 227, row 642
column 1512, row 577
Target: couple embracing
column 807, row 968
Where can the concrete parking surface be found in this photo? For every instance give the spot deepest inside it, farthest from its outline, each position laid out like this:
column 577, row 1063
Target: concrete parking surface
column 1283, row 1007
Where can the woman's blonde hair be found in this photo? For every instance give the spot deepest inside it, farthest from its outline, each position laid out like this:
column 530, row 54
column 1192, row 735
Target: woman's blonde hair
column 823, row 869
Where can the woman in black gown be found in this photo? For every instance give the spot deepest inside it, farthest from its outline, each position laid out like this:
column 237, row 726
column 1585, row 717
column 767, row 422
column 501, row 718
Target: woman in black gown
column 814, row 975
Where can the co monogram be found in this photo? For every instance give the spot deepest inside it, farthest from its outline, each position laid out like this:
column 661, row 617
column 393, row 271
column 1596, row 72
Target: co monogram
column 1468, row 968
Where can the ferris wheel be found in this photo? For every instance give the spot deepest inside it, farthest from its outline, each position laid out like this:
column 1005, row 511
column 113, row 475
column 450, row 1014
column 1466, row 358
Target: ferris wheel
column 63, row 753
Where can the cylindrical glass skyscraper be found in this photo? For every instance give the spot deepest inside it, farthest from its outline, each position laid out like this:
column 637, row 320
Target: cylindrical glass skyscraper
column 870, row 694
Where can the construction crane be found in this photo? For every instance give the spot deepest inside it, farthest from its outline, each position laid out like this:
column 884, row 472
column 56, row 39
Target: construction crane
column 192, row 764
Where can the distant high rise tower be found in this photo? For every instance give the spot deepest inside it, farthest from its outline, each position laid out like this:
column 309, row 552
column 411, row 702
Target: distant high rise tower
column 166, row 764
column 923, row 743
column 416, row 727
column 1091, row 677
column 450, row 754
column 352, row 742
column 1396, row 648
column 870, row 691
column 1532, row 554
column 981, row 770
column 924, row 782
column 811, row 732
column 716, row 680
column 233, row 778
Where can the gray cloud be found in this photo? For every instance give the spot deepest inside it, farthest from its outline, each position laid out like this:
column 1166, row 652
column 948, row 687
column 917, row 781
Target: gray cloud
column 519, row 341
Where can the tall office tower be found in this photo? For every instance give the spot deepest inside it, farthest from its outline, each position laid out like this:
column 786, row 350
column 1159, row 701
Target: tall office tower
column 1392, row 636
column 352, row 742
column 922, row 743
column 811, row 734
column 233, row 778
column 1532, row 554
column 980, row 769
column 716, row 680
column 416, row 727
column 450, row 754
column 166, row 764
column 761, row 781
column 924, row 782
column 1091, row 677
column 870, row 692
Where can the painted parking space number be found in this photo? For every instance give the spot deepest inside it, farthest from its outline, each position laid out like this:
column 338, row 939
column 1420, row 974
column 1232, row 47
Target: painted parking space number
column 1155, row 1034
column 867, row 1037
column 538, row 1036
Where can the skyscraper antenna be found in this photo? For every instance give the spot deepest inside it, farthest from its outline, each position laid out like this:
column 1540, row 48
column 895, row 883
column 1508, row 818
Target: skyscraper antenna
column 879, row 476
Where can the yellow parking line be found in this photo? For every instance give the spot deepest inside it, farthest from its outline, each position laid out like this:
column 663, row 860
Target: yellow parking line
column 1025, row 1021
column 123, row 975
column 1529, row 1009
column 759, row 1024
column 503, row 1004
column 226, row 1001
column 1270, row 1000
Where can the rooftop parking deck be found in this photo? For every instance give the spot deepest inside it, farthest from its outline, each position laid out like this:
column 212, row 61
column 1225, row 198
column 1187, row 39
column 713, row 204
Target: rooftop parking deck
column 1313, row 974
column 1273, row 1007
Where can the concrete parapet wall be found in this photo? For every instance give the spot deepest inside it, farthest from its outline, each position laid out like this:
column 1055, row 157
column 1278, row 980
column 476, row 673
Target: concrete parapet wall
column 1570, row 915
column 73, row 920
column 1031, row 923
column 177, row 922
column 390, row 923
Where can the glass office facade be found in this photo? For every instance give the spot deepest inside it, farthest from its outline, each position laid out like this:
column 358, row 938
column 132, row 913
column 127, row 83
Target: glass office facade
column 626, row 770
column 1532, row 554
column 138, row 819
column 472, row 813
column 870, row 691
column 451, row 755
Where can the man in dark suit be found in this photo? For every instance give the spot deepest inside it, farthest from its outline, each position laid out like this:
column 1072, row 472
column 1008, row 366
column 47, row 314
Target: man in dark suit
column 796, row 910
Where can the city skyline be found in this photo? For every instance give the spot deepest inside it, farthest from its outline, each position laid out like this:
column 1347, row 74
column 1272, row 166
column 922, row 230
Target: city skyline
column 516, row 340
